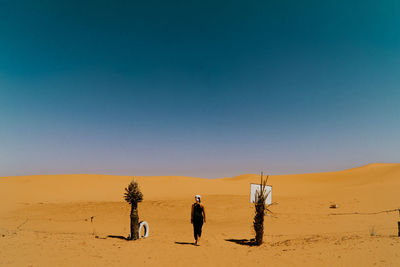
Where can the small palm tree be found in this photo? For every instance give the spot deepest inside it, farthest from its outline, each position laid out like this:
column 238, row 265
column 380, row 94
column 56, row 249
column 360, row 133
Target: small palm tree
column 260, row 209
column 133, row 196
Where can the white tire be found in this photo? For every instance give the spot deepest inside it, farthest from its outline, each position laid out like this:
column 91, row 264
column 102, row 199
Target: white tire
column 146, row 229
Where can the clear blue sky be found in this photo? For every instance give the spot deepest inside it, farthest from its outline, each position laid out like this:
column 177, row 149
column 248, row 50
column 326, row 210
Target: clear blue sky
column 199, row 88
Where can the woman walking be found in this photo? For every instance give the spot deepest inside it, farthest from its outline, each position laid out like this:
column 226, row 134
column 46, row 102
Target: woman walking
column 198, row 217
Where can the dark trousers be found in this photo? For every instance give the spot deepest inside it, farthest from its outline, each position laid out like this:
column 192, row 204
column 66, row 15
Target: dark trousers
column 197, row 225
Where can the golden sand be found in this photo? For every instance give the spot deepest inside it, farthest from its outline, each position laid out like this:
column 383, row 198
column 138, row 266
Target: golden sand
column 66, row 220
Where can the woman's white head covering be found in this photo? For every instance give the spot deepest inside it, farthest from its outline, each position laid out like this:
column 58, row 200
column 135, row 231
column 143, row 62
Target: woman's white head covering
column 198, row 197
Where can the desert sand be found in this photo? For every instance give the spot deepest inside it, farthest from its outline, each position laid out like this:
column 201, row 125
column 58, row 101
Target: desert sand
column 67, row 220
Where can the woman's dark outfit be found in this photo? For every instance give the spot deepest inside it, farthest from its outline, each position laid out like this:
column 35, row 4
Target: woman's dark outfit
column 197, row 219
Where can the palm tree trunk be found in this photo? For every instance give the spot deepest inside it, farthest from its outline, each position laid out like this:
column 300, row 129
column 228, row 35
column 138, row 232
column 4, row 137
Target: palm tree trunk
column 259, row 223
column 134, row 222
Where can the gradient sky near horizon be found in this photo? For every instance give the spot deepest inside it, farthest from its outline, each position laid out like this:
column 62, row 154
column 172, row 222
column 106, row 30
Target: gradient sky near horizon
column 198, row 88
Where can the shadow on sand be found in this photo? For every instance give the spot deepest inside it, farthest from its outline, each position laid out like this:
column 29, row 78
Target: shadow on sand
column 185, row 243
column 118, row 236
column 243, row 242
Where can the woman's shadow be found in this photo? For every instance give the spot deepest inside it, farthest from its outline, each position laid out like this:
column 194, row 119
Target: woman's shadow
column 185, row 243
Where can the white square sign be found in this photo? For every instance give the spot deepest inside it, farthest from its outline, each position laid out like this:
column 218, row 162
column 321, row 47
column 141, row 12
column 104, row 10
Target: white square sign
column 255, row 188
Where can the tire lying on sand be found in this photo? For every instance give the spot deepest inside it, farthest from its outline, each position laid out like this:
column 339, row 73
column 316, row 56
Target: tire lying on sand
column 146, row 229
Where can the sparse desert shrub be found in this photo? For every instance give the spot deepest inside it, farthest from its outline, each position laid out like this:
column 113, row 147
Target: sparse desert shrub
column 372, row 231
column 133, row 196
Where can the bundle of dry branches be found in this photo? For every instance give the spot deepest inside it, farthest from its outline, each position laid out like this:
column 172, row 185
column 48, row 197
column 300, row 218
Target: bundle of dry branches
column 260, row 209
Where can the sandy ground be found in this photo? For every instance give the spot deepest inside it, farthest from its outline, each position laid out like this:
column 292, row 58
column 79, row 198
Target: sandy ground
column 68, row 220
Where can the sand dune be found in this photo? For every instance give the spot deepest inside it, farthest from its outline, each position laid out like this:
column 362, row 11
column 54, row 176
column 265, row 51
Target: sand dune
column 55, row 219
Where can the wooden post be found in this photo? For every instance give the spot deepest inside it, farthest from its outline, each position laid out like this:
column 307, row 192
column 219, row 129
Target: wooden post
column 398, row 225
